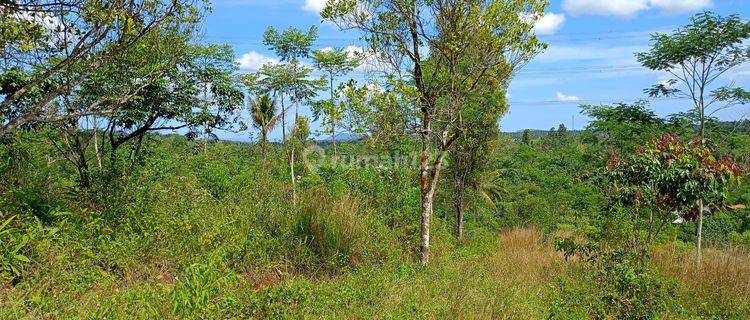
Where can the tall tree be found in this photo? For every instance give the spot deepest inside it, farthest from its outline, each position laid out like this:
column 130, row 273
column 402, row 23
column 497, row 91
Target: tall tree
column 469, row 156
column 421, row 39
column 478, row 132
column 696, row 56
column 275, row 79
column 291, row 45
column 263, row 113
column 173, row 101
column 62, row 43
column 215, row 72
column 334, row 62
column 622, row 126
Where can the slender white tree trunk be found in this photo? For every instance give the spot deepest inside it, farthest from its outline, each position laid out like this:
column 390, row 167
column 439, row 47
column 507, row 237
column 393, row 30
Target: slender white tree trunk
column 97, row 150
column 426, row 194
column 294, row 179
column 333, row 120
column 700, row 233
column 283, row 119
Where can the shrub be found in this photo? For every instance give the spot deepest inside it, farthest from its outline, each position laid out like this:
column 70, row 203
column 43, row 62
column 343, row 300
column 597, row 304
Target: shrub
column 333, row 229
column 617, row 283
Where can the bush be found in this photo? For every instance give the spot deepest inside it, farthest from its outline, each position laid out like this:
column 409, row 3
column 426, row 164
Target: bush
column 336, row 232
column 615, row 283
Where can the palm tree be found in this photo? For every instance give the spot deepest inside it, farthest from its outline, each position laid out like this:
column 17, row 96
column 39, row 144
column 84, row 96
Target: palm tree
column 263, row 111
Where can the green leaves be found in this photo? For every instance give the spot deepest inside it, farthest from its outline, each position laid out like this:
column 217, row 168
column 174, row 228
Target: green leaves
column 335, row 62
column 291, row 44
column 696, row 56
column 707, row 37
column 668, row 175
column 263, row 112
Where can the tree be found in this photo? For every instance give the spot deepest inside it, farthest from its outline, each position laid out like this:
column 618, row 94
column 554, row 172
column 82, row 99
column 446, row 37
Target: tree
column 300, row 135
column 623, row 126
column 287, row 80
column 335, row 62
column 303, row 87
column 696, row 55
column 214, row 73
column 62, row 43
column 668, row 176
column 482, row 39
column 174, row 101
column 291, row 45
column 383, row 113
column 526, row 137
column 471, row 153
column 263, row 113
column 276, row 80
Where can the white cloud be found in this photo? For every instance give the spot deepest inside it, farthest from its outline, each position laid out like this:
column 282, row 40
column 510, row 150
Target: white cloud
column 563, row 97
column 622, row 8
column 369, row 60
column 314, row 5
column 252, row 61
column 680, row 6
column 628, row 8
column 58, row 35
column 549, row 24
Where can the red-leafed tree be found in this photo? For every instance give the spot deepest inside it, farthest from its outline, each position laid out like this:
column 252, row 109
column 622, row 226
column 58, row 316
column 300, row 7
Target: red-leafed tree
column 668, row 176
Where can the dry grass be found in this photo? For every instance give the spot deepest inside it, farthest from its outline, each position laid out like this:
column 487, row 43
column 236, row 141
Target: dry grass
column 526, row 249
column 722, row 272
column 512, row 281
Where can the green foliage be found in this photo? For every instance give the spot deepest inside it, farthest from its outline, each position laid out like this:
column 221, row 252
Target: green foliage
column 263, row 113
column 198, row 288
column 667, row 176
column 614, row 284
column 292, row 43
column 336, row 62
column 695, row 56
column 623, row 126
column 11, row 259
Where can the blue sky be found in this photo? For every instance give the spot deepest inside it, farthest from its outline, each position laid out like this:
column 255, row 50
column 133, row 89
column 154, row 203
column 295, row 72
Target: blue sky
column 589, row 59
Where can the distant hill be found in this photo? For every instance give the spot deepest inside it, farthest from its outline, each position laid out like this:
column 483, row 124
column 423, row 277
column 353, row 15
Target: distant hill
column 344, row 137
column 536, row 134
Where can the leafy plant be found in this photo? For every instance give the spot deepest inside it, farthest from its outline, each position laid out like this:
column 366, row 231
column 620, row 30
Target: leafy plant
column 12, row 261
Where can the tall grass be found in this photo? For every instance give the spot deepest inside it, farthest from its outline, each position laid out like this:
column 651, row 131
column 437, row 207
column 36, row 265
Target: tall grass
column 721, row 271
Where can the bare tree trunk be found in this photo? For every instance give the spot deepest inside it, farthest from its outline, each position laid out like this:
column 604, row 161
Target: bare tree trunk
column 700, row 233
column 426, row 194
column 650, row 225
column 333, row 138
column 458, row 202
column 429, row 177
column 97, row 151
column 333, row 121
column 263, row 143
column 283, row 119
column 294, row 179
column 205, row 123
column 702, row 109
column 205, row 137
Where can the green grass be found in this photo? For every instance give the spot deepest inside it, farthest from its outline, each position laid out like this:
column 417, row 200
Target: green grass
column 214, row 236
